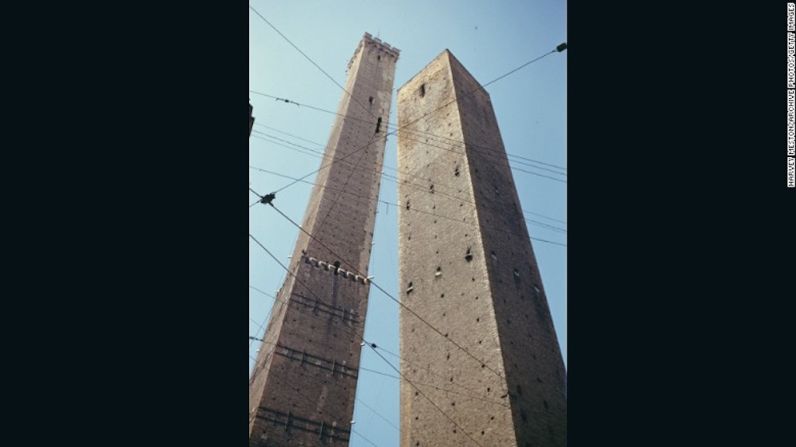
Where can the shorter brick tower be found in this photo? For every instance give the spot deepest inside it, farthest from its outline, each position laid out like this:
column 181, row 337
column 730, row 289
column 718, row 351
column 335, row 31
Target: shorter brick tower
column 467, row 266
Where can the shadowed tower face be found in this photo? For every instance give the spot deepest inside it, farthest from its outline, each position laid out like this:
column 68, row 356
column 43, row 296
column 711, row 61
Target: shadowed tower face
column 302, row 388
column 467, row 266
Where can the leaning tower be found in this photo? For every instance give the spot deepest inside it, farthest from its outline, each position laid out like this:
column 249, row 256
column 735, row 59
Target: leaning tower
column 302, row 388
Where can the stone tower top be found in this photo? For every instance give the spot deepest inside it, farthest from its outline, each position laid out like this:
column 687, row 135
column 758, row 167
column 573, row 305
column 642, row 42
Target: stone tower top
column 378, row 44
column 447, row 57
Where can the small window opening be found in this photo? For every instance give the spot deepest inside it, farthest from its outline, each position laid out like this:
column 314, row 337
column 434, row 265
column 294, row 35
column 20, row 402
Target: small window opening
column 468, row 256
column 370, row 100
column 494, row 256
column 516, row 274
column 378, row 58
column 409, row 287
column 431, row 188
column 422, row 90
column 407, row 204
column 456, row 171
column 378, row 125
column 439, row 272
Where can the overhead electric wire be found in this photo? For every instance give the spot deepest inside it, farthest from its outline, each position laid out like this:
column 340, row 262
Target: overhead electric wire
column 270, row 310
column 469, row 392
column 310, row 60
column 360, row 435
column 323, row 166
column 466, row 396
column 353, row 334
column 356, row 270
column 376, row 285
column 291, row 147
column 381, row 373
column 440, row 138
column 297, row 390
column 383, row 165
column 373, row 410
column 345, row 184
column 467, row 93
column 369, row 344
column 542, row 224
column 518, row 68
column 393, row 132
column 291, row 273
column 490, row 155
column 485, row 150
column 480, row 149
column 423, row 394
column 289, row 134
column 392, row 178
column 256, row 194
column 256, row 331
column 319, row 109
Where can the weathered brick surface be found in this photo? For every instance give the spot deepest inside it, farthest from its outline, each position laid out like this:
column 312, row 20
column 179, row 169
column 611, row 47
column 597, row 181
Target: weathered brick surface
column 301, row 392
column 465, row 249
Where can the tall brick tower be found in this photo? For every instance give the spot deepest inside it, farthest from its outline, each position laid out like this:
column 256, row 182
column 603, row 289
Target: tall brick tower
column 467, row 266
column 301, row 391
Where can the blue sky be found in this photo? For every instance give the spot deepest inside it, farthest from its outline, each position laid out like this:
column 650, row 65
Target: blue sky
column 489, row 38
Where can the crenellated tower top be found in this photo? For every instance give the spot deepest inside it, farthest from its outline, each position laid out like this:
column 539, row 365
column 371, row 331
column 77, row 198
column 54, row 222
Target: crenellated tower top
column 376, row 43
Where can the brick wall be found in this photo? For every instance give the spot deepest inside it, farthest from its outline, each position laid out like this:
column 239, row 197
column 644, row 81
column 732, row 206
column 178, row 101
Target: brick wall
column 467, row 266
